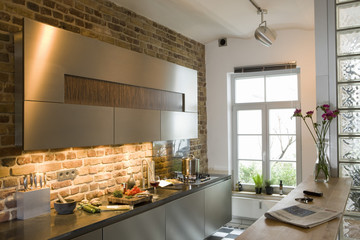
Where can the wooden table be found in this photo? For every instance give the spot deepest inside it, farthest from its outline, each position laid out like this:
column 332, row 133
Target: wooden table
column 335, row 192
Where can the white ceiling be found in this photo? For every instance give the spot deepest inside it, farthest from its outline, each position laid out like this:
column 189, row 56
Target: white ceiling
column 208, row 20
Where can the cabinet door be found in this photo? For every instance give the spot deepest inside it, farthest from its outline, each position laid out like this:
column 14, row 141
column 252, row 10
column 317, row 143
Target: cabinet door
column 149, row 225
column 246, row 207
column 217, row 206
column 185, row 218
column 94, row 235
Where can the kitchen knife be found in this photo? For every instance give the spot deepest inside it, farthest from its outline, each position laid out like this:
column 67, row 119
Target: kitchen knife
column 40, row 180
column 25, row 182
column 35, row 180
column 31, row 181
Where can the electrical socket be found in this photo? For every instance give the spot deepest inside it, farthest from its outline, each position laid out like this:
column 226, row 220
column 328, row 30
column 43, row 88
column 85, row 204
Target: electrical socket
column 66, row 174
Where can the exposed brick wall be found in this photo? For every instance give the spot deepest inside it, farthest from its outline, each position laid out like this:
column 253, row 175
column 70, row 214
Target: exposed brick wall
column 100, row 168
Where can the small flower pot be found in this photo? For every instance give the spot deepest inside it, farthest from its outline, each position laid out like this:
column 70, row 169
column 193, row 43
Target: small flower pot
column 269, row 190
column 258, row 190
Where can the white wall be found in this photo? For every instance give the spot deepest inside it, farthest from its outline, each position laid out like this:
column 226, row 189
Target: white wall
column 290, row 45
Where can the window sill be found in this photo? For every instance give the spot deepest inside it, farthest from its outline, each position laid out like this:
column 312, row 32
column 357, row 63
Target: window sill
column 264, row 196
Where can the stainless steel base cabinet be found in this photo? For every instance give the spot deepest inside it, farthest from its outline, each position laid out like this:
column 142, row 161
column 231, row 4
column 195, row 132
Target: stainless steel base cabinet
column 94, row 235
column 149, row 225
column 217, row 206
column 185, row 218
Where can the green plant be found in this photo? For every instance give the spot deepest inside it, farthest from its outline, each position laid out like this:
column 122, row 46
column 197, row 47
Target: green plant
column 258, row 180
column 268, row 183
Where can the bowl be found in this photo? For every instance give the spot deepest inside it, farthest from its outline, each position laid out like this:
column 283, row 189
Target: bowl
column 65, row 208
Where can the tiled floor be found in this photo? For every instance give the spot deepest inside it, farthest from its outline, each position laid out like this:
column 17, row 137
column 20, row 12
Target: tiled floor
column 226, row 233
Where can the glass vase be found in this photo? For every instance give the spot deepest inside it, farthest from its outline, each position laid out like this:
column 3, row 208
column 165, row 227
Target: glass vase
column 322, row 164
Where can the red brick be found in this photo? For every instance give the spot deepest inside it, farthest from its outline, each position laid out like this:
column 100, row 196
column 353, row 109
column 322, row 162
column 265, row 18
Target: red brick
column 10, row 203
column 118, row 166
column 74, row 190
column 94, row 186
column 109, row 168
column 49, row 157
column 4, row 216
column 109, row 151
column 22, row 170
column 103, row 185
column 37, row 158
column 71, row 155
column 81, row 154
column 61, row 184
column 10, row 182
column 6, row 192
column 91, row 153
column 93, row 169
column 49, row 167
column 109, row 160
column 92, row 161
column 72, row 164
column 4, row 172
column 82, row 179
column 23, row 160
column 100, row 153
column 102, row 177
column 83, row 171
column 84, row 188
column 59, row 156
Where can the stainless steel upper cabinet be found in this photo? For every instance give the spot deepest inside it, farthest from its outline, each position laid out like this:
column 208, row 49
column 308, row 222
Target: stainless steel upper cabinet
column 50, row 53
column 135, row 125
column 178, row 125
column 56, row 125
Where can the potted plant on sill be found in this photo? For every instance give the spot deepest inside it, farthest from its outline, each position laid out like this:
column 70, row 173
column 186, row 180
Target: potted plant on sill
column 268, row 188
column 258, row 180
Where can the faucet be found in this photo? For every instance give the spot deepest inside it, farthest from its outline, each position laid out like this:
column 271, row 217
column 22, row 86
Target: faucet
column 150, row 167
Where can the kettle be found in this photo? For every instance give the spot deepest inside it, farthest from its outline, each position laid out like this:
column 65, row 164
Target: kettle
column 190, row 167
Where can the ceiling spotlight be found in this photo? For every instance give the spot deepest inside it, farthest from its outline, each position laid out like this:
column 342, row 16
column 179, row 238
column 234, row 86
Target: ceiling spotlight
column 263, row 33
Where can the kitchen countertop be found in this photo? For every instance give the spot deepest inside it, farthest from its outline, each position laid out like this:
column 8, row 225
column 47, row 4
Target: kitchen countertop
column 55, row 226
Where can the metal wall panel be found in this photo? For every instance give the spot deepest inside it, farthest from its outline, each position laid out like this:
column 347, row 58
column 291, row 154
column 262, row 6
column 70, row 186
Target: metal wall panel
column 178, row 125
column 50, row 53
column 54, row 125
column 134, row 125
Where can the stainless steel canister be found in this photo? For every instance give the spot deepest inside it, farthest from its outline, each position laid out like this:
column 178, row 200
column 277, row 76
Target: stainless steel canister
column 190, row 167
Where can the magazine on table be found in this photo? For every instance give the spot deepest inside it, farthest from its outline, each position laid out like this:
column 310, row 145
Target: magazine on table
column 303, row 215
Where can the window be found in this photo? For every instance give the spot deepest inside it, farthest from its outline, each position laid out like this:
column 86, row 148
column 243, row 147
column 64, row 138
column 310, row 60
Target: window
column 266, row 138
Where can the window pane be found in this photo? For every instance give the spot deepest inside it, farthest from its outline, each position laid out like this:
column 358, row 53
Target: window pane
column 283, row 147
column 280, row 121
column 348, row 42
column 350, row 170
column 248, row 169
column 348, row 15
column 285, row 171
column 249, row 90
column 349, row 122
column 353, row 203
column 249, row 122
column 348, row 69
column 349, row 95
column 349, row 149
column 249, row 147
column 350, row 228
column 281, row 88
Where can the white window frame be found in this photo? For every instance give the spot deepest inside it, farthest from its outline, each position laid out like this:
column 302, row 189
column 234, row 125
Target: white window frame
column 264, row 107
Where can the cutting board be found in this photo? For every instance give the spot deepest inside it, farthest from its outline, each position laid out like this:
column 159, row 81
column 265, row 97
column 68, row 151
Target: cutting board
column 130, row 201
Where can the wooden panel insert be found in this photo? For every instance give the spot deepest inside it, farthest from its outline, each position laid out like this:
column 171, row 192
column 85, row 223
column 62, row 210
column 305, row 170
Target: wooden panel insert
column 86, row 91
